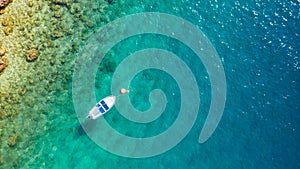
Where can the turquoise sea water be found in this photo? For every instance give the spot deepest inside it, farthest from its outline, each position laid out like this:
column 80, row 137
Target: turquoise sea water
column 258, row 43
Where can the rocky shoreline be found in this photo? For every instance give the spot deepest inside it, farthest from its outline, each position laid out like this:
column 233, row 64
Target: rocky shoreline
column 39, row 41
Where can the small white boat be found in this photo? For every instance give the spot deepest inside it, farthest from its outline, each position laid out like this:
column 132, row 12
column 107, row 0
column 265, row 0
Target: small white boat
column 102, row 107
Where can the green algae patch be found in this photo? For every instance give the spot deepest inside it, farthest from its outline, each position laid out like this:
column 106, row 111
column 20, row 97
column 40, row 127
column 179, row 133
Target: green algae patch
column 1, row 160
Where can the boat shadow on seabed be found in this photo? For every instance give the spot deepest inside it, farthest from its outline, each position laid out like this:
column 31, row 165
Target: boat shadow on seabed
column 86, row 127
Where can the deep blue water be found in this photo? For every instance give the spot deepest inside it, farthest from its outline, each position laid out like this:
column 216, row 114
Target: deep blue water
column 258, row 43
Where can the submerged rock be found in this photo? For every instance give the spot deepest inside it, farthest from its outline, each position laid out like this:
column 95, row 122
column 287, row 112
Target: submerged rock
column 3, row 115
column 12, row 140
column 56, row 34
column 32, row 55
column 30, row 3
column 4, row 3
column 7, row 30
column 60, row 2
column 2, row 51
column 5, row 22
column 3, row 63
column 2, row 11
column 57, row 14
column 109, row 1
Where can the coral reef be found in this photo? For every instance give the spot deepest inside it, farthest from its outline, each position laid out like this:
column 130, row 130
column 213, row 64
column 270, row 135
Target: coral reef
column 3, row 63
column 32, row 55
column 12, row 140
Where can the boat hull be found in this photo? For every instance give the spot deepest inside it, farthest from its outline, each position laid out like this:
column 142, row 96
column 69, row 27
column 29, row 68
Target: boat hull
column 102, row 107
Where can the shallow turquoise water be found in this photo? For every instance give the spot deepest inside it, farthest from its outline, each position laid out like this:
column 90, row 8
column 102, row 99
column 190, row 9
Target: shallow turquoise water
column 258, row 43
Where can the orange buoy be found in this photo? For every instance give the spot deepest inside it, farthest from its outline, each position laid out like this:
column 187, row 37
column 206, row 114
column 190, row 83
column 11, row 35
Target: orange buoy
column 124, row 91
